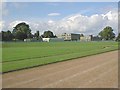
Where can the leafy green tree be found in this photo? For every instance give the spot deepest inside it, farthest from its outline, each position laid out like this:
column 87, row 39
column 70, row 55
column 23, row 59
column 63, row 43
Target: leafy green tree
column 0, row 36
column 22, row 31
column 37, row 35
column 118, row 37
column 81, row 35
column 107, row 33
column 48, row 34
column 7, row 36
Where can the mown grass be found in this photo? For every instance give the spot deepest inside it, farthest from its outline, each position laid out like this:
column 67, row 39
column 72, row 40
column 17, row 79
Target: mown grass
column 23, row 55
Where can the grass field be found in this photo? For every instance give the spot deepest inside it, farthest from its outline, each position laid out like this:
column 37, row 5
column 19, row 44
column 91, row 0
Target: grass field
column 22, row 55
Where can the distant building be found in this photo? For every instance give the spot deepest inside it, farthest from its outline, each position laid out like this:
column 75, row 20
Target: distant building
column 70, row 37
column 96, row 38
column 86, row 38
column 52, row 39
column 46, row 39
column 33, row 40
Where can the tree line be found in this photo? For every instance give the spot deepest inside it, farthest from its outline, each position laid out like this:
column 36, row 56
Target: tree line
column 22, row 31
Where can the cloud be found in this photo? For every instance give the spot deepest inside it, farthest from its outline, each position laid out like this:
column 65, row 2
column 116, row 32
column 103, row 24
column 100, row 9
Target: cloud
column 53, row 14
column 14, row 23
column 76, row 23
column 88, row 25
column 52, row 4
column 2, row 25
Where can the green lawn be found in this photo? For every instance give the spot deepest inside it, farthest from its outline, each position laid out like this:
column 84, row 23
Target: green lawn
column 23, row 55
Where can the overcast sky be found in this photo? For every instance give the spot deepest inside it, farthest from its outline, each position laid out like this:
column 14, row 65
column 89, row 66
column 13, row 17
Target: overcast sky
column 61, row 17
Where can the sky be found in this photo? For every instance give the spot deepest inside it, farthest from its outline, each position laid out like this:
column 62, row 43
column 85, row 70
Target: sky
column 61, row 17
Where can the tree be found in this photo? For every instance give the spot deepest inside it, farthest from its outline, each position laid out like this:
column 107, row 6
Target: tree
column 22, row 31
column 107, row 33
column 37, row 34
column 7, row 36
column 48, row 34
column 0, row 36
column 81, row 35
column 118, row 37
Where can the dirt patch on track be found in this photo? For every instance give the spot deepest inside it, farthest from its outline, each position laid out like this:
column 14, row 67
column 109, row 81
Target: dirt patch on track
column 97, row 71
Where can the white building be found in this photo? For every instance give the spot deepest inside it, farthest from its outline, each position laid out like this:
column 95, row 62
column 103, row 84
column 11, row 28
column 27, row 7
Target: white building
column 52, row 39
column 86, row 38
column 70, row 37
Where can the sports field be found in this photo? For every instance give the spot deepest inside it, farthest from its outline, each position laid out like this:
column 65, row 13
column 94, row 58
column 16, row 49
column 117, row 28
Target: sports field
column 22, row 55
column 96, row 71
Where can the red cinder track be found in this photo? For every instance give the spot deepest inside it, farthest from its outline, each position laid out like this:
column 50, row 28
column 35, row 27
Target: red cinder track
column 97, row 71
